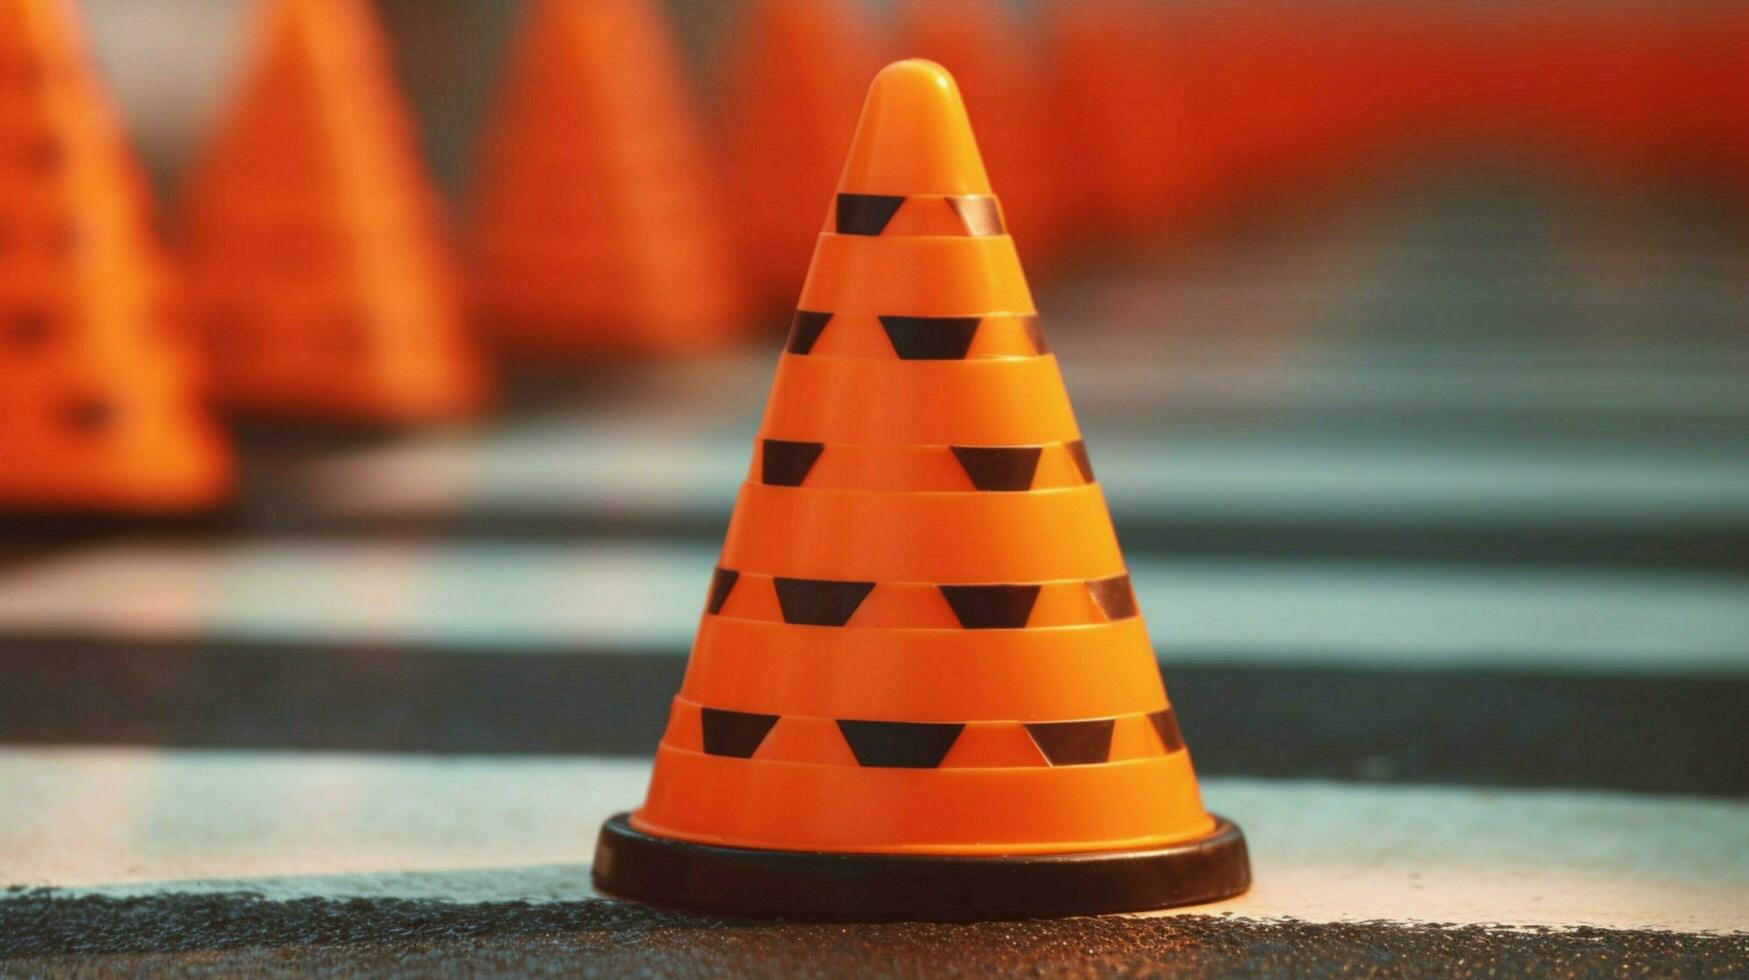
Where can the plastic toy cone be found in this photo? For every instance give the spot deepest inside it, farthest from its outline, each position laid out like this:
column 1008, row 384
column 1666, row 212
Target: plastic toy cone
column 318, row 269
column 636, row 262
column 98, row 409
column 982, row 45
column 920, row 687
column 792, row 88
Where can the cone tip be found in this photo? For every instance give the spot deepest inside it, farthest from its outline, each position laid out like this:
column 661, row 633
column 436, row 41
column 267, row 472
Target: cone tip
column 919, row 74
column 914, row 137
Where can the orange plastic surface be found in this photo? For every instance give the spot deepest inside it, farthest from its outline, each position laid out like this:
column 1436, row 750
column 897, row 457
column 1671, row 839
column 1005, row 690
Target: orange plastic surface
column 937, row 276
column 1012, row 810
column 320, row 276
column 921, row 605
column 926, row 215
column 899, row 150
column 991, row 402
column 861, row 335
column 975, row 744
column 872, row 535
column 860, row 467
column 925, row 675
column 921, row 638
column 99, row 403
column 597, row 98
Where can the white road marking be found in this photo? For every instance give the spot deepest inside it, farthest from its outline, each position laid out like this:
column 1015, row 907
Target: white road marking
column 612, row 468
column 644, row 599
column 499, row 829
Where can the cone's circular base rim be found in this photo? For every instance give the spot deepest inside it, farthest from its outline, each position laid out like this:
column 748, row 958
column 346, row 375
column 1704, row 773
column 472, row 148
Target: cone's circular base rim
column 942, row 888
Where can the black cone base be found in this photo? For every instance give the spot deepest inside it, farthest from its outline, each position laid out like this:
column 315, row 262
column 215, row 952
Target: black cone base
column 818, row 885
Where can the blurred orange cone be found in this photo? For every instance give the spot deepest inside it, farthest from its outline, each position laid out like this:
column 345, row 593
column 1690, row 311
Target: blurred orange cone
column 921, row 688
column 1592, row 87
column 792, row 87
column 597, row 227
column 1720, row 94
column 989, row 53
column 1122, row 124
column 97, row 403
column 317, row 260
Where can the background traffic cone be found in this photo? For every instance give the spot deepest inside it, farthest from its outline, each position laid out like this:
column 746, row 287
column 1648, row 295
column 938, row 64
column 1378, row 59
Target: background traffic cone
column 318, row 268
column 792, row 87
column 596, row 226
column 98, row 409
column 1120, row 99
column 920, row 688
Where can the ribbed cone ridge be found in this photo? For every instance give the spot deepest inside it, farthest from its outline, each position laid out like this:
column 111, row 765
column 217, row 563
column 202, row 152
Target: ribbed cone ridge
column 322, row 284
column 596, row 97
column 921, row 638
column 100, row 410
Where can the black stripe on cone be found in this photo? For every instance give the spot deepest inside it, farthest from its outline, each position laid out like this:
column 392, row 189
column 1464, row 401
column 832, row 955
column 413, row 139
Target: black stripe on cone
column 722, row 583
column 784, row 463
column 980, row 607
column 999, row 467
column 865, row 214
column 979, row 214
column 819, row 602
column 1084, row 463
column 805, row 330
column 88, row 414
column 899, row 744
column 27, row 328
column 734, row 733
column 1115, row 596
column 1073, row 743
column 1166, row 723
column 1035, row 332
column 931, row 338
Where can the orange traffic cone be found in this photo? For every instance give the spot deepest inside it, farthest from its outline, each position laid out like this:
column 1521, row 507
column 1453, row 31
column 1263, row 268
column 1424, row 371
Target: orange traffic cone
column 792, row 88
column 98, row 409
column 979, row 42
column 920, row 688
column 1121, row 99
column 317, row 263
column 596, row 229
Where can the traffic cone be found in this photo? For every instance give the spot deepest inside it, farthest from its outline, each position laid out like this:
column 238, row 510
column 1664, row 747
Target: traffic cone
column 98, row 408
column 792, row 87
column 1121, row 102
column 318, row 267
column 980, row 42
column 596, row 228
column 920, row 687
column 1720, row 100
